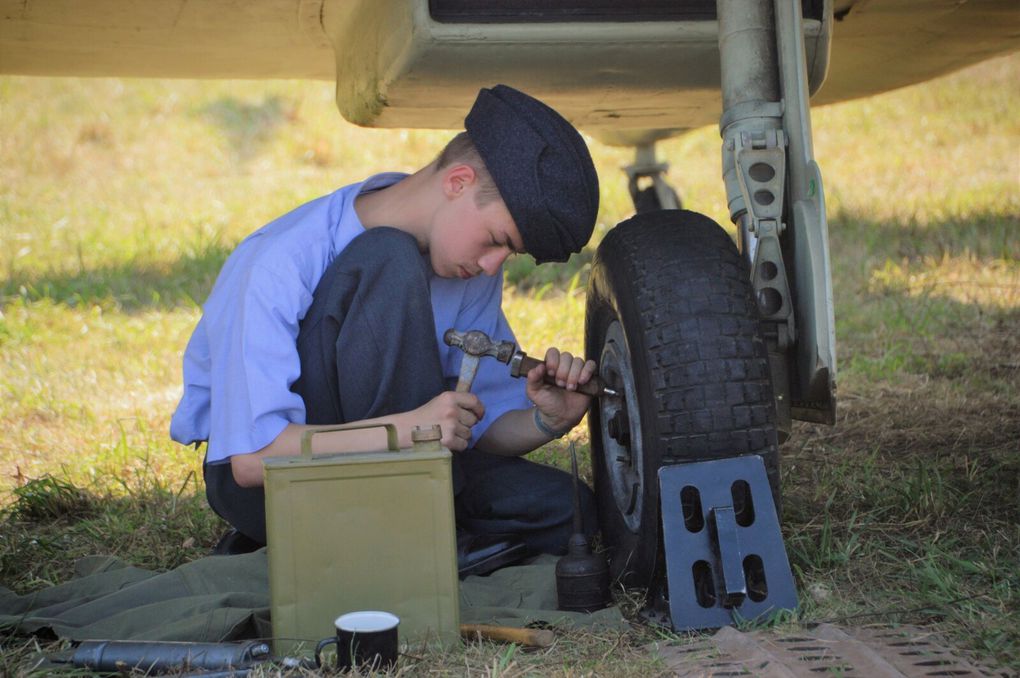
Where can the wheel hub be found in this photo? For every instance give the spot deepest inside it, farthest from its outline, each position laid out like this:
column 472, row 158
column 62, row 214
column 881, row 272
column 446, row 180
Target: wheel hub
column 621, row 428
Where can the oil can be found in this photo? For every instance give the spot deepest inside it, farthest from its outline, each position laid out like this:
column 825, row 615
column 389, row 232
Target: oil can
column 369, row 530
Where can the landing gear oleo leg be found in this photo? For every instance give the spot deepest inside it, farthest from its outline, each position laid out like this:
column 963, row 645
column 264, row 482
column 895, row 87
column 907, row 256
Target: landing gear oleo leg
column 647, row 183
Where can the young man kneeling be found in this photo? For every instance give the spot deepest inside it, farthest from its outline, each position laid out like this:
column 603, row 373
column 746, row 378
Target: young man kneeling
column 334, row 313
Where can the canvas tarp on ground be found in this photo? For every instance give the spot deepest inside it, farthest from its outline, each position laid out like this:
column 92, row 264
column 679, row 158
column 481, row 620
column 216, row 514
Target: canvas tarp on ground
column 222, row 598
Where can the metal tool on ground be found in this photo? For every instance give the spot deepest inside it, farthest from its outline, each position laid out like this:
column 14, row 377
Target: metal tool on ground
column 582, row 577
column 116, row 656
column 476, row 345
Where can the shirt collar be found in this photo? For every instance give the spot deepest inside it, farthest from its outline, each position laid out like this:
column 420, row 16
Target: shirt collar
column 381, row 180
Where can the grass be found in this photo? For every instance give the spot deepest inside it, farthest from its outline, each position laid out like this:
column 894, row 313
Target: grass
column 120, row 199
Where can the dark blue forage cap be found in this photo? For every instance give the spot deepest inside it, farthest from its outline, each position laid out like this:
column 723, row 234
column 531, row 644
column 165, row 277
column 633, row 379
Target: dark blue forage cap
column 541, row 167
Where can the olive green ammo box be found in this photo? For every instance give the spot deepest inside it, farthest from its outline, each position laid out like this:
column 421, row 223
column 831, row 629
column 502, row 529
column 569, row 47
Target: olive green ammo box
column 361, row 531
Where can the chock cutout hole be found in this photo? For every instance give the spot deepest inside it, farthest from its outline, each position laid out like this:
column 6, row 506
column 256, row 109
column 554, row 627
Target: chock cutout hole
column 704, row 584
column 743, row 505
column 754, row 575
column 690, row 500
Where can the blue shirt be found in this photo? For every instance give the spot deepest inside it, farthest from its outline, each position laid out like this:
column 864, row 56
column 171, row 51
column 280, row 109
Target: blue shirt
column 242, row 357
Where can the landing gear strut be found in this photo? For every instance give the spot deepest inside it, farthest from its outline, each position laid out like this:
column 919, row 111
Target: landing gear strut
column 647, row 182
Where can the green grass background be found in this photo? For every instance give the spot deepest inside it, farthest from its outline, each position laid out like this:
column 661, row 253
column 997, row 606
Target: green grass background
column 120, row 199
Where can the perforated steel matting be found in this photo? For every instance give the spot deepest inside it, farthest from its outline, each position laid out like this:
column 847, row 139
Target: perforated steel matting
column 825, row 650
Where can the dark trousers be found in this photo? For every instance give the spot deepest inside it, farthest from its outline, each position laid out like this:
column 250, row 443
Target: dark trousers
column 368, row 348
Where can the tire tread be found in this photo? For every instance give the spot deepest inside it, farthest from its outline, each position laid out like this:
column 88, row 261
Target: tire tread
column 713, row 397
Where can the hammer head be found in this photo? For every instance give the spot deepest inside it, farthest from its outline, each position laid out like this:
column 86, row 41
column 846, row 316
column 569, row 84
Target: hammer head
column 477, row 344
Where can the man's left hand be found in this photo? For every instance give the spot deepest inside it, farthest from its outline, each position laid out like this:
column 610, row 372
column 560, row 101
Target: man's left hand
column 561, row 407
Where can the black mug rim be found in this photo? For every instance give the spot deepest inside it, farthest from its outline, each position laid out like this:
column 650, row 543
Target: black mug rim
column 389, row 615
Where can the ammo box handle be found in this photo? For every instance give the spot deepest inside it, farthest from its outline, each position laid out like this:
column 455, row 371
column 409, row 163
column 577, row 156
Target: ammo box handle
column 391, row 436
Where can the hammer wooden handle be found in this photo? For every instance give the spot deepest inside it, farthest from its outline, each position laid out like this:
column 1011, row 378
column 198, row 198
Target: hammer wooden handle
column 509, row 634
column 522, row 364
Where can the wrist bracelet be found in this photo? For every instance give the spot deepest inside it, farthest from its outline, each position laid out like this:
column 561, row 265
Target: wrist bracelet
column 544, row 428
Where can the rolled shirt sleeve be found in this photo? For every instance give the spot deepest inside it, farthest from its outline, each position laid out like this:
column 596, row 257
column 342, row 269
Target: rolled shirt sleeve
column 252, row 344
column 242, row 358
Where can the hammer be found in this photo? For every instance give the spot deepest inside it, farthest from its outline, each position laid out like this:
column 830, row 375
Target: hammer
column 477, row 344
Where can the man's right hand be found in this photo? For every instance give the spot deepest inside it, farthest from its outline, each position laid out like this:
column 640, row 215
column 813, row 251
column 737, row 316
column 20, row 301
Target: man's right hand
column 455, row 413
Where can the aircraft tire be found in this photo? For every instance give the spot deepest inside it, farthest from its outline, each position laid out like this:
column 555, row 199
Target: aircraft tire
column 671, row 318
